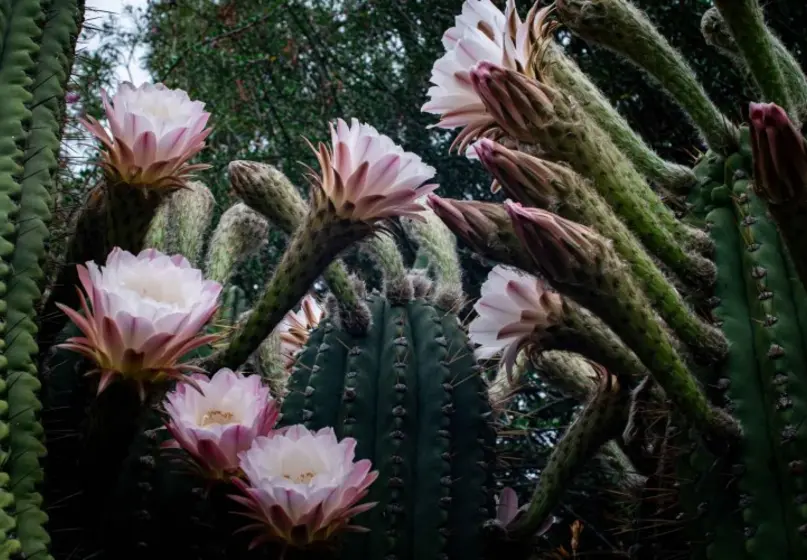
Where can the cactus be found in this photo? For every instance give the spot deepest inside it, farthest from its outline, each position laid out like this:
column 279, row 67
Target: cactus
column 683, row 334
column 409, row 392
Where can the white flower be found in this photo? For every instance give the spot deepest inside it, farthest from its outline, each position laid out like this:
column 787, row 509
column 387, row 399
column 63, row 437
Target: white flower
column 219, row 418
column 303, row 486
column 153, row 132
column 296, row 326
column 147, row 311
column 514, row 307
column 368, row 177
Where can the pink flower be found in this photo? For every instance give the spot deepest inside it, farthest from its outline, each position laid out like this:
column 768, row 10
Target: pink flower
column 514, row 308
column 296, row 326
column 780, row 154
column 153, row 133
column 506, row 506
column 368, row 177
column 145, row 313
column 482, row 34
column 303, row 486
column 219, row 418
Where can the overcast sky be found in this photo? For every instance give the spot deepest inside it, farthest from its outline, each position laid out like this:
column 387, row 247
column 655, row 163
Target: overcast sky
column 138, row 75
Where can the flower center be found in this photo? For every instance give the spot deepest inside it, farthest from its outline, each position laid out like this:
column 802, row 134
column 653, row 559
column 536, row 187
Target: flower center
column 216, row 417
column 162, row 290
column 300, row 478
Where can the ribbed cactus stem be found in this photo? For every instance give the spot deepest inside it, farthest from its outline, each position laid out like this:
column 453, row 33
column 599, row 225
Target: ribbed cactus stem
column 562, row 72
column 584, row 267
column 268, row 191
column 24, row 433
column 190, row 214
column 717, row 34
column 439, row 245
column 621, row 27
column 240, row 233
column 601, row 420
column 746, row 23
column 319, row 239
column 385, row 251
column 548, row 185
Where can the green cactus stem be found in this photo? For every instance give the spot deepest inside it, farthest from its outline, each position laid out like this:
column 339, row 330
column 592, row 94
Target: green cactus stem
column 45, row 67
column 411, row 395
column 240, row 233
column 551, row 186
column 584, row 267
column 439, row 247
column 560, row 132
column 157, row 236
column 619, row 26
column 746, row 23
column 385, row 251
column 317, row 242
column 190, row 213
column 561, row 72
column 268, row 191
column 714, row 30
column 602, row 419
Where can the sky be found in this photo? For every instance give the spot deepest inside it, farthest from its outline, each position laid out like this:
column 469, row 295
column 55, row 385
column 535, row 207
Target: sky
column 138, row 75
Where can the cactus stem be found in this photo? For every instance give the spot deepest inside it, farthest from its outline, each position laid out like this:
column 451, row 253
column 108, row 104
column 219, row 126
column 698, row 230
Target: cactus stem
column 601, row 420
column 562, row 72
column 315, row 244
column 746, row 23
column 624, row 29
column 584, row 267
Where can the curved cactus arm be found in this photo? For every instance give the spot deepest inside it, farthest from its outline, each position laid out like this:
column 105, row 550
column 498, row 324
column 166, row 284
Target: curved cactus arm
column 619, row 26
column 385, row 252
column 602, row 419
column 562, row 72
column 746, row 22
column 268, row 191
column 240, row 233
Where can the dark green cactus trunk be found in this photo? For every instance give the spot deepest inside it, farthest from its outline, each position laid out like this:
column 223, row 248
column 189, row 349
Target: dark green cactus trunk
column 411, row 395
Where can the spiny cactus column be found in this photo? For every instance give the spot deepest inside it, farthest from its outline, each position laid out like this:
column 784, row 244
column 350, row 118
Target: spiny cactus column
column 39, row 59
column 409, row 392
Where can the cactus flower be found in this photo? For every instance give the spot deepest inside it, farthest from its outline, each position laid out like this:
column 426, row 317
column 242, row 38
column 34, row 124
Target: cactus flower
column 482, row 34
column 303, row 486
column 145, row 313
column 484, row 226
column 153, row 133
column 294, row 329
column 514, row 307
column 219, row 418
column 368, row 177
column 780, row 154
column 557, row 247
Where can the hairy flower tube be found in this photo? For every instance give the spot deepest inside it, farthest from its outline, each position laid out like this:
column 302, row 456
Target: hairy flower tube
column 145, row 313
column 219, row 418
column 302, row 486
column 153, row 132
